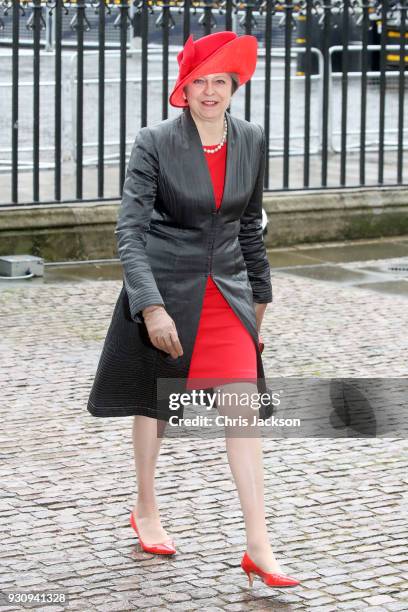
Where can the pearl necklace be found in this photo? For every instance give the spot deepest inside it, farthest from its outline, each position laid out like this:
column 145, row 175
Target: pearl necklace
column 221, row 144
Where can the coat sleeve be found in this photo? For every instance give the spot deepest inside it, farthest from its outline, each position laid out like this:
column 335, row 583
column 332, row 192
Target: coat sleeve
column 251, row 239
column 139, row 194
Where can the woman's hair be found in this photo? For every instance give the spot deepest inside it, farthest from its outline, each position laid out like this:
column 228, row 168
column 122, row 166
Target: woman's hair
column 235, row 81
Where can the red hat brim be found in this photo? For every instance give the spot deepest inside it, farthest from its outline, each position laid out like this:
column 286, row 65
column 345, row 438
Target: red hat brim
column 238, row 55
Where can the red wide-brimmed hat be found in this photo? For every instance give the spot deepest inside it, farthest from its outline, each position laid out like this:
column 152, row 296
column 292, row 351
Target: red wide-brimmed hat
column 217, row 52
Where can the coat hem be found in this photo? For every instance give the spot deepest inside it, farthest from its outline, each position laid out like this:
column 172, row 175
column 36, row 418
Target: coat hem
column 123, row 411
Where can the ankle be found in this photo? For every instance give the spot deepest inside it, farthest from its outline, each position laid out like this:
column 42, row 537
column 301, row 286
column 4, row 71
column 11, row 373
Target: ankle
column 146, row 510
column 257, row 548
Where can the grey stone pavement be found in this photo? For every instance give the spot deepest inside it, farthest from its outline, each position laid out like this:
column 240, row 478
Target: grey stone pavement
column 336, row 508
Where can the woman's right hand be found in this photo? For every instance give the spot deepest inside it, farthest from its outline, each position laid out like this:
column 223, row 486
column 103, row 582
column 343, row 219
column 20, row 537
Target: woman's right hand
column 162, row 330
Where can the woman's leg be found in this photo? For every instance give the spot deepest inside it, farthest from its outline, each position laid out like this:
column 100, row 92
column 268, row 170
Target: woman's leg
column 245, row 458
column 147, row 436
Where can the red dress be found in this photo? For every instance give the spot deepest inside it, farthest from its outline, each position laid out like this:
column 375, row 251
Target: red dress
column 223, row 349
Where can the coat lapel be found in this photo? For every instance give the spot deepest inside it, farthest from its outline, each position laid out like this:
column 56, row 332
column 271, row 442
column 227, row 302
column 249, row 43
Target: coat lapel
column 198, row 163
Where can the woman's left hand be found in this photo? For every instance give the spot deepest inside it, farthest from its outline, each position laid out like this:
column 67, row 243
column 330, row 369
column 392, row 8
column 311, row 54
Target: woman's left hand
column 259, row 313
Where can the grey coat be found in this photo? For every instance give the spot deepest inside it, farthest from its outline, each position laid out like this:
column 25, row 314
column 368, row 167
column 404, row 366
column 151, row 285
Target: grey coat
column 170, row 237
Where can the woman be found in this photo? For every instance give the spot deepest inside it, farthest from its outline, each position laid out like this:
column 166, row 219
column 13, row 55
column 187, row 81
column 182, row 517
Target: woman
column 196, row 282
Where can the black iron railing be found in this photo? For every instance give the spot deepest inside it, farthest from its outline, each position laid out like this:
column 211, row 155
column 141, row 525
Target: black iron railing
column 78, row 79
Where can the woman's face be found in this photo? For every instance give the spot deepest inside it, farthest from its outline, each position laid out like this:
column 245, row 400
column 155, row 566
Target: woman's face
column 209, row 88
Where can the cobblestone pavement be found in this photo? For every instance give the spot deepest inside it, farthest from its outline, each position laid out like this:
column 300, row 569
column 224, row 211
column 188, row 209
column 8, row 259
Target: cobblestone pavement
column 336, row 509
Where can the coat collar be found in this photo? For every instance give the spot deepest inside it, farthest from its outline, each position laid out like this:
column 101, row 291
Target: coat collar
column 191, row 141
column 190, row 134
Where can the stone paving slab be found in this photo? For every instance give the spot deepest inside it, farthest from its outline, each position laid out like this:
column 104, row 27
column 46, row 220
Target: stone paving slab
column 336, row 509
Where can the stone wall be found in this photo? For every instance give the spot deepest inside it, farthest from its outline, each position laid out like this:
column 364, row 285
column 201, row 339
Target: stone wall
column 78, row 231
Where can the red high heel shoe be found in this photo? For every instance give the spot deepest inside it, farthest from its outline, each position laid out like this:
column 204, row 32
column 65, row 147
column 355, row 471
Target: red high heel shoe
column 162, row 548
column 270, row 579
